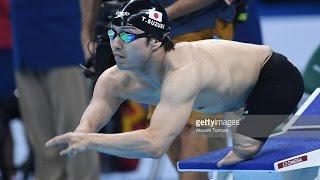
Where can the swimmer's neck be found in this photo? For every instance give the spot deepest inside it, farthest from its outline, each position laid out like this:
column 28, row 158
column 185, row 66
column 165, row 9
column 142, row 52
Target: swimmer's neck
column 153, row 71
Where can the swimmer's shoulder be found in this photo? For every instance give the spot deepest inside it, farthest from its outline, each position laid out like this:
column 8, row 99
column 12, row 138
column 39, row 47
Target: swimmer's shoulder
column 180, row 56
column 114, row 79
column 181, row 63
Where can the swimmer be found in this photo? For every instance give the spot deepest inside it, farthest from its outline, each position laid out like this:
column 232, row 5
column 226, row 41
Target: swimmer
column 209, row 76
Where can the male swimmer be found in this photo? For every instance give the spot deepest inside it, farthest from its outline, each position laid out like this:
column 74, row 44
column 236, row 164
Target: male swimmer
column 209, row 76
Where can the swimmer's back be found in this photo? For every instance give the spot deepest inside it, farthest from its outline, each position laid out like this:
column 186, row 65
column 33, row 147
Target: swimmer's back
column 235, row 53
column 230, row 69
column 242, row 61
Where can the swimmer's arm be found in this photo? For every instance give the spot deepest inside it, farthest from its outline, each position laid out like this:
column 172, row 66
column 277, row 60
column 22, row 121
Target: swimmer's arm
column 184, row 7
column 168, row 120
column 103, row 105
column 178, row 94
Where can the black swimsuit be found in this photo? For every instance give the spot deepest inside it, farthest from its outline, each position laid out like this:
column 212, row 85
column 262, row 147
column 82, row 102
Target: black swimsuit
column 274, row 97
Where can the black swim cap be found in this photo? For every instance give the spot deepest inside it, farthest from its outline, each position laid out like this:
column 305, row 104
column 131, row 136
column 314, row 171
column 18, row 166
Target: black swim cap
column 147, row 15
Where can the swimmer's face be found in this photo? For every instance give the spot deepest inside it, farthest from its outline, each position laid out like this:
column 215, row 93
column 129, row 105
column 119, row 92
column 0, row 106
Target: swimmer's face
column 129, row 47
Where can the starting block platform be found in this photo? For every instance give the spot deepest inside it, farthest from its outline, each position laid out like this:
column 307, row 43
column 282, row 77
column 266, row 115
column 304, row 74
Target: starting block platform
column 297, row 147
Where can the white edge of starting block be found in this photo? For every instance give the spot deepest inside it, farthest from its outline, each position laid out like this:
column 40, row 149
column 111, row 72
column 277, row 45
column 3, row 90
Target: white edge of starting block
column 301, row 109
column 309, row 159
column 304, row 128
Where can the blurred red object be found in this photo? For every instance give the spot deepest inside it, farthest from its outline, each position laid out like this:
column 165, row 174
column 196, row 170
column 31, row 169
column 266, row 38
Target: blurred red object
column 5, row 30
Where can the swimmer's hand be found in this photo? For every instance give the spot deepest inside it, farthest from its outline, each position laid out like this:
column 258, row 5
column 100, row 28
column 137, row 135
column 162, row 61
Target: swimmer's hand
column 77, row 142
column 244, row 148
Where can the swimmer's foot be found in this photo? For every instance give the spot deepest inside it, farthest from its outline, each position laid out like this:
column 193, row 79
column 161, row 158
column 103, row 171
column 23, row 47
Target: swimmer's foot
column 244, row 148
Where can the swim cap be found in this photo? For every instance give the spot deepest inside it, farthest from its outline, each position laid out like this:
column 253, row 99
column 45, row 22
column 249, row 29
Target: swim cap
column 147, row 15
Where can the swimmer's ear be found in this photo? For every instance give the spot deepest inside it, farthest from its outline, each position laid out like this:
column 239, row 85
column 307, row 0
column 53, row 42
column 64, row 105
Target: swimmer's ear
column 155, row 44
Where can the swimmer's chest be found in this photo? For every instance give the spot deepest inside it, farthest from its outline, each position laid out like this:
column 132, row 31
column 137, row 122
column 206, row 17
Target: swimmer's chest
column 142, row 93
column 207, row 101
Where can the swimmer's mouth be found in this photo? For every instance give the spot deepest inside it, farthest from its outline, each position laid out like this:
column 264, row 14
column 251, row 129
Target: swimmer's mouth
column 116, row 55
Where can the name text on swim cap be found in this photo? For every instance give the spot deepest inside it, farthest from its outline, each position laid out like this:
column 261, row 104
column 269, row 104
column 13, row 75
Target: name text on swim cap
column 153, row 23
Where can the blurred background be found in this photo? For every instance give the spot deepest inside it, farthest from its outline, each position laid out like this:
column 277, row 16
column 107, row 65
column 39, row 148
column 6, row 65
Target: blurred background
column 290, row 27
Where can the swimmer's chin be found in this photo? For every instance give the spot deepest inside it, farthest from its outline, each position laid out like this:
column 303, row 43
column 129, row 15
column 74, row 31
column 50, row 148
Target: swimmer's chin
column 122, row 67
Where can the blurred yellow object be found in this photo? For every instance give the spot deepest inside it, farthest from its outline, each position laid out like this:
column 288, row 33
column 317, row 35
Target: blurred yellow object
column 133, row 117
